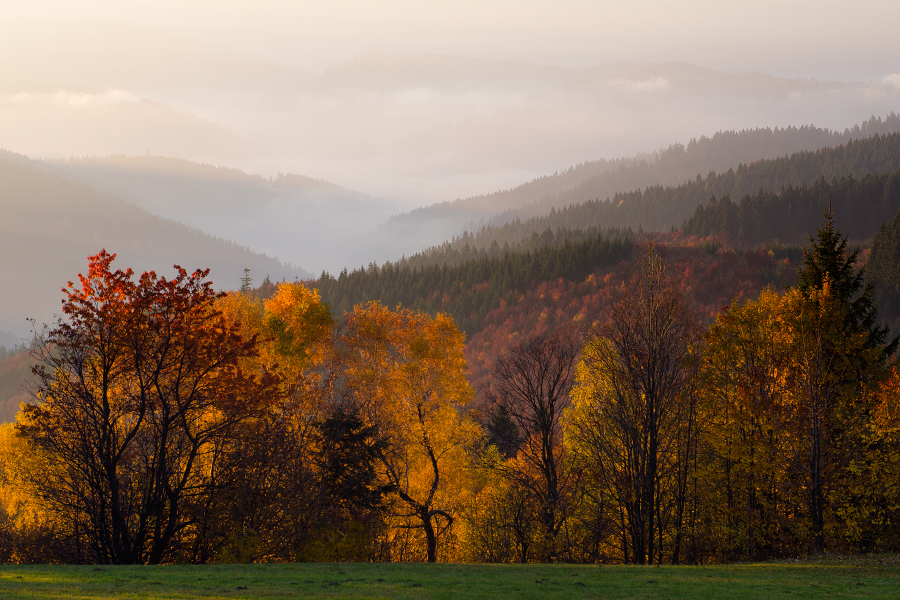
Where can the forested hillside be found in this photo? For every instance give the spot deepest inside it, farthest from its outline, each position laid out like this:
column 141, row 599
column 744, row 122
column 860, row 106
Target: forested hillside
column 884, row 269
column 470, row 290
column 862, row 205
column 709, row 274
column 672, row 166
column 720, row 153
column 661, row 208
column 466, row 248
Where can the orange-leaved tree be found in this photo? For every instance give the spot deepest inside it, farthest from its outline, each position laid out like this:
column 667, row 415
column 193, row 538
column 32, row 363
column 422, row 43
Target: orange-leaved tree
column 408, row 375
column 138, row 383
column 269, row 504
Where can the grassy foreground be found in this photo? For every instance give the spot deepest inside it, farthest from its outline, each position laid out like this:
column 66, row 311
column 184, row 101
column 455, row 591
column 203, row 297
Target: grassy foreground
column 853, row 577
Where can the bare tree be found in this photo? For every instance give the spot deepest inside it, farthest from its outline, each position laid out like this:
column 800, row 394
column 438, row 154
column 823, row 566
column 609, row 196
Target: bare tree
column 531, row 385
column 642, row 427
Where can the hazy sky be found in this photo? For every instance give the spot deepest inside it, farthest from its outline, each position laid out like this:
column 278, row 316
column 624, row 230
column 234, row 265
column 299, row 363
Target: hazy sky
column 833, row 39
column 274, row 87
column 414, row 102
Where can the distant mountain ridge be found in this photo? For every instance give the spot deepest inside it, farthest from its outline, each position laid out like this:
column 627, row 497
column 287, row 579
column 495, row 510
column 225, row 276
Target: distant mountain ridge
column 51, row 225
column 661, row 208
column 602, row 179
column 299, row 219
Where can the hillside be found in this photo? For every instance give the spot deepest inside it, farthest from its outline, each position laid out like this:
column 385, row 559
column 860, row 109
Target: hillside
column 669, row 166
column 470, row 290
column 660, row 208
column 711, row 276
column 861, row 205
column 299, row 219
column 50, row 225
column 499, row 300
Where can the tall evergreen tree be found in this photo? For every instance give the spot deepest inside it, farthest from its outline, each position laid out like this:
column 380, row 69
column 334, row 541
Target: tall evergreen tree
column 828, row 259
column 246, row 282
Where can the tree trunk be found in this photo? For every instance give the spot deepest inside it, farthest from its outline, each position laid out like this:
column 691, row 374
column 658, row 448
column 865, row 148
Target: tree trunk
column 430, row 538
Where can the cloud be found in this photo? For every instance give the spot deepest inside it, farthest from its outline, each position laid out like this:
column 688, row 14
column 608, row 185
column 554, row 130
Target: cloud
column 648, row 85
column 66, row 99
column 892, row 80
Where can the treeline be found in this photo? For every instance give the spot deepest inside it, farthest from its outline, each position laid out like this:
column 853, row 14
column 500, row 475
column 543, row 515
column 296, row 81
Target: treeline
column 660, row 208
column 515, row 237
column 173, row 424
column 789, row 215
column 720, row 153
column 472, row 288
column 666, row 167
column 884, row 269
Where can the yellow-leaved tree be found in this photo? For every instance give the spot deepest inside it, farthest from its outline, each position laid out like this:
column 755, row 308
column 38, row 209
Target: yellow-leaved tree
column 270, row 505
column 407, row 373
column 28, row 525
column 746, row 356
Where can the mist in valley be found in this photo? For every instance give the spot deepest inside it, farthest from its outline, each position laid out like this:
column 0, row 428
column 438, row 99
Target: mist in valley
column 312, row 134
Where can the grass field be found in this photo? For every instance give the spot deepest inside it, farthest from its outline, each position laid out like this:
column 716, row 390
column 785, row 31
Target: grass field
column 854, row 577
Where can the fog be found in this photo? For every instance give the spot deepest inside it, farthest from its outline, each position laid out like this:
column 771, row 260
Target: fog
column 412, row 103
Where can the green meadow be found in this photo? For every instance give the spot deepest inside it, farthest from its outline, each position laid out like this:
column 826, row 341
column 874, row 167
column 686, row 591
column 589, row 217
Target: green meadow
column 835, row 577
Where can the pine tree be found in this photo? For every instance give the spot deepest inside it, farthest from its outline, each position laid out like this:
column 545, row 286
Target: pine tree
column 828, row 259
column 246, row 282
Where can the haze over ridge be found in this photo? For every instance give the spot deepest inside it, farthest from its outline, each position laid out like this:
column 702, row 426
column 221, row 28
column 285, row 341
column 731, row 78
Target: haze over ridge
column 409, row 104
column 414, row 125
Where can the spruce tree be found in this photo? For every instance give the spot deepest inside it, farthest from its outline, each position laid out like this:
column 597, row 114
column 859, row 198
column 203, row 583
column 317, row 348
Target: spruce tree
column 246, row 282
column 828, row 259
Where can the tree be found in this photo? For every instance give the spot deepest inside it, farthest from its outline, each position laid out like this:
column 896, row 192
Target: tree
column 747, row 352
column 839, row 356
column 272, row 501
column 871, row 501
column 408, row 373
column 637, row 406
column 825, row 406
column 138, row 384
column 246, row 282
column 531, row 387
column 828, row 260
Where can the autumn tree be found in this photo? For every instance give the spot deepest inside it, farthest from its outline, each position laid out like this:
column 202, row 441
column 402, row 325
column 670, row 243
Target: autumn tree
column 407, row 373
column 31, row 531
column 869, row 500
column 530, row 388
column 838, row 357
column 272, row 501
column 138, row 382
column 747, row 351
column 636, row 417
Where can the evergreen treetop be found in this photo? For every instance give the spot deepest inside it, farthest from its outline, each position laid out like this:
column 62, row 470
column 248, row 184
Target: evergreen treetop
column 828, row 259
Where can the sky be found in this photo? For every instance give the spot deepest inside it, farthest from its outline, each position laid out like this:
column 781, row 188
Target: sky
column 828, row 39
column 416, row 102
